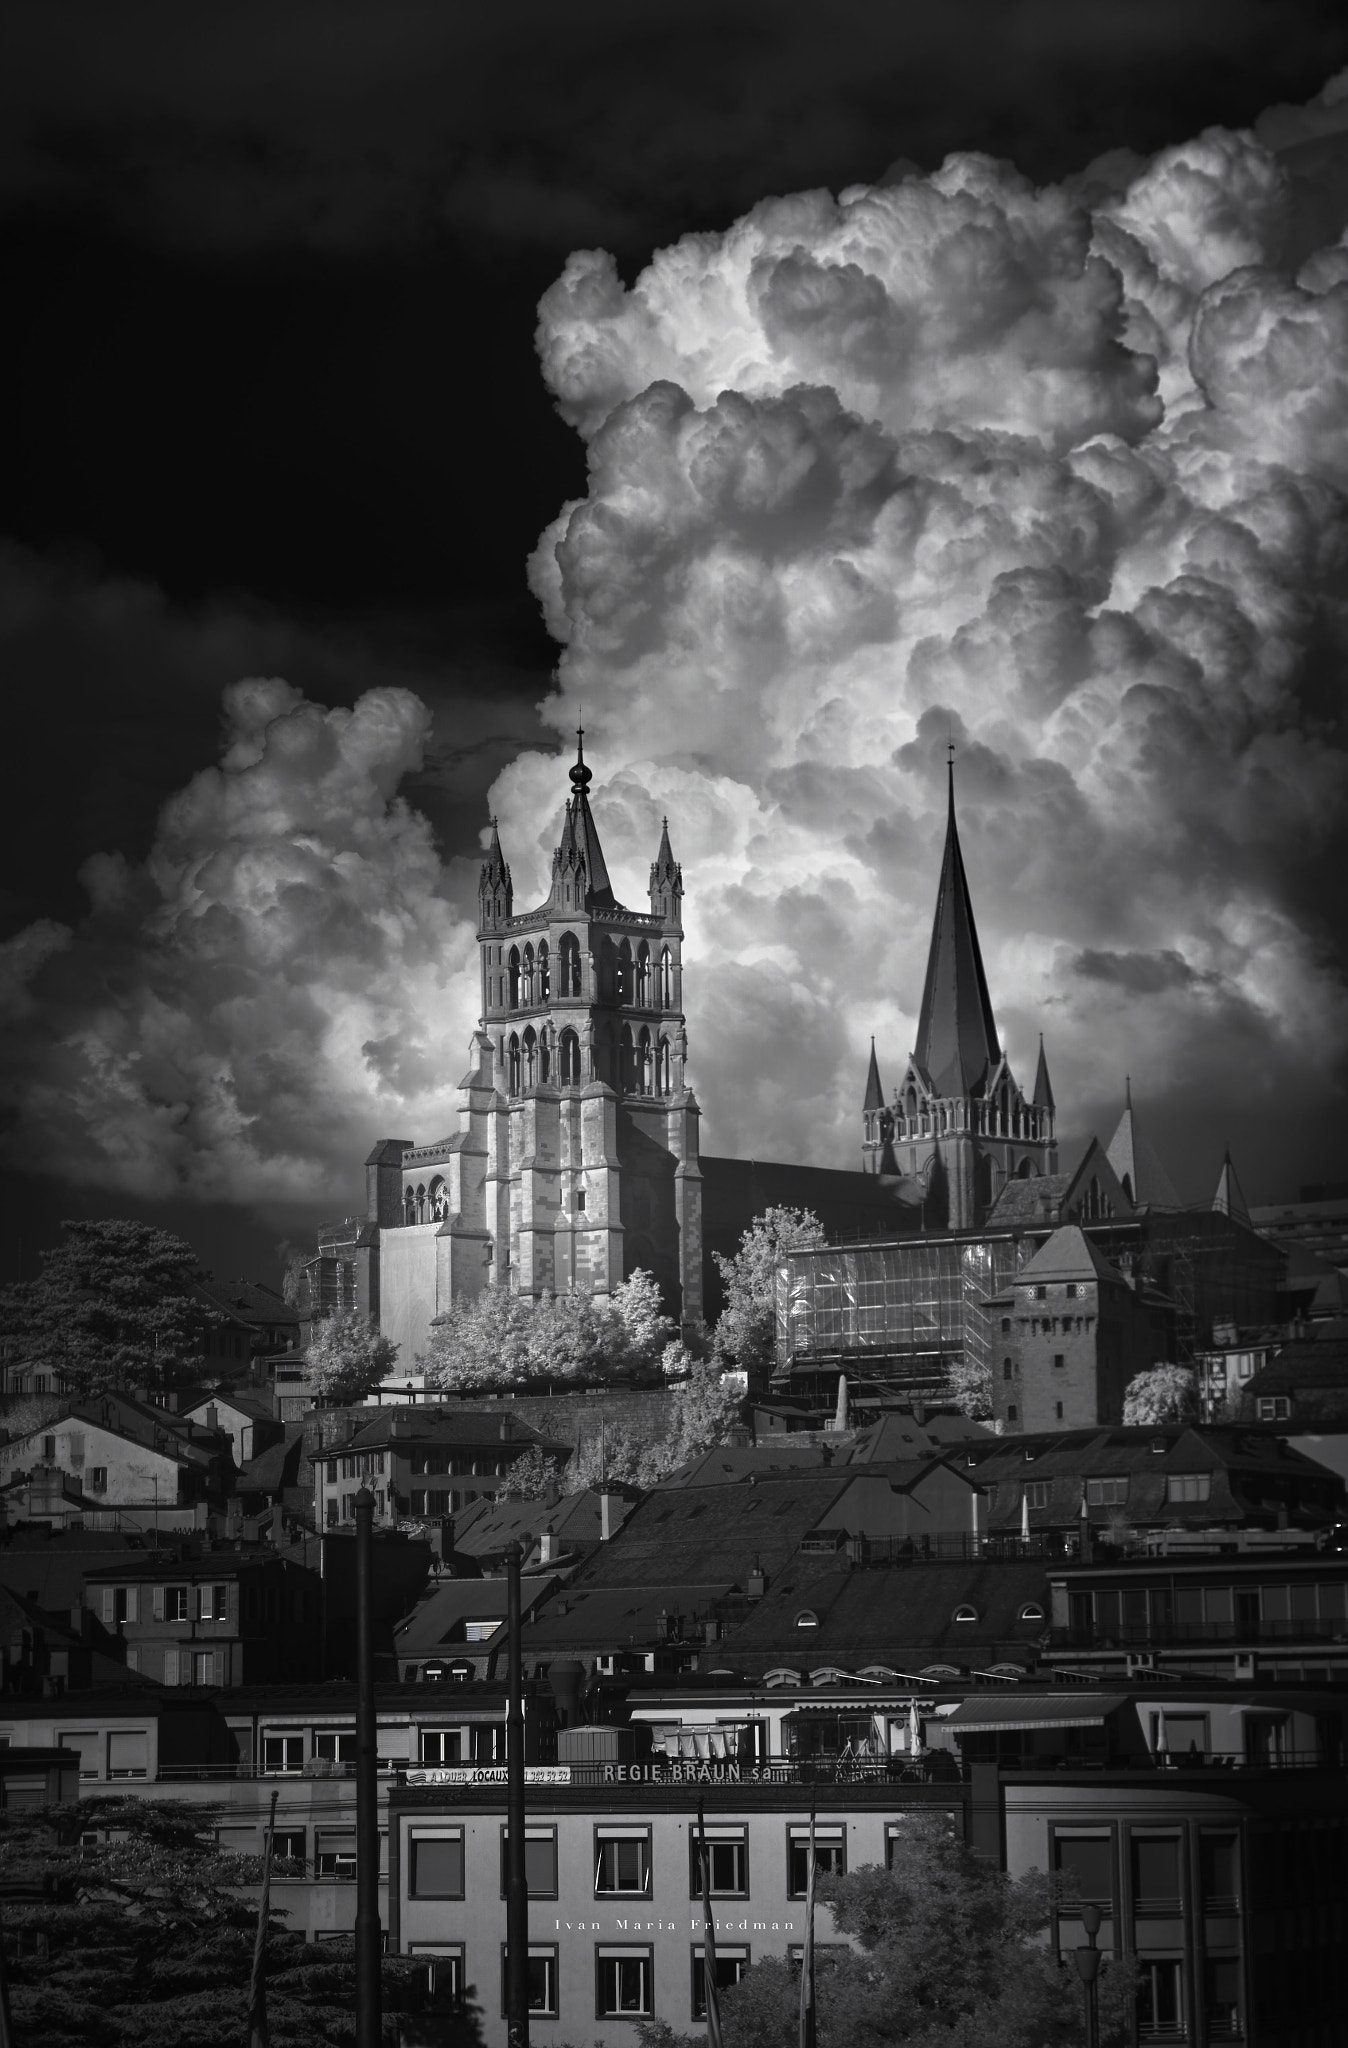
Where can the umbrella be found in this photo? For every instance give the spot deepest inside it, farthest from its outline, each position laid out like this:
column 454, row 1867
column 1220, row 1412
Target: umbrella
column 1024, row 1517
column 914, row 1728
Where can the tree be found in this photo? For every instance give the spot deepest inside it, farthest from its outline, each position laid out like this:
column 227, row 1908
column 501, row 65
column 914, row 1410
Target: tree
column 704, row 1409
column 951, row 1955
column 747, row 1330
column 498, row 1339
column 347, row 1356
column 971, row 1384
column 529, row 1477
column 1167, row 1393
column 143, row 1939
column 117, row 1305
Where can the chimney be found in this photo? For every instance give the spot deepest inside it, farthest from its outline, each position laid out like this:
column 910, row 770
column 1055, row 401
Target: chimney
column 608, row 1515
column 547, row 1546
column 920, row 1414
column 212, row 1417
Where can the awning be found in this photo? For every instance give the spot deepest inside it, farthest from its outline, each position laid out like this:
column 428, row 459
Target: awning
column 1006, row 1717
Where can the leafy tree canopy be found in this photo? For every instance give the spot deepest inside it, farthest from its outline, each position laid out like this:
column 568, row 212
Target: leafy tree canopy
column 347, row 1356
column 949, row 1954
column 706, row 1408
column 141, row 1939
column 499, row 1340
column 1168, row 1393
column 746, row 1332
column 116, row 1306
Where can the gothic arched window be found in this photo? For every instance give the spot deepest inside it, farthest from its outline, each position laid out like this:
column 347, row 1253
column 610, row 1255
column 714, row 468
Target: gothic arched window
column 530, row 1058
column 514, row 965
column 666, row 980
column 623, row 985
column 645, row 1064
column 513, row 1064
column 410, row 1206
column 568, row 1047
column 664, row 1069
column 570, row 954
column 544, row 1055
column 643, row 976
column 627, row 1062
column 544, row 980
column 527, row 979
column 439, row 1199
column 421, row 1204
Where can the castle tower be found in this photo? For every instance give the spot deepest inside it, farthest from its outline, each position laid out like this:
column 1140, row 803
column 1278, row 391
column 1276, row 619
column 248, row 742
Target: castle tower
column 958, row 1126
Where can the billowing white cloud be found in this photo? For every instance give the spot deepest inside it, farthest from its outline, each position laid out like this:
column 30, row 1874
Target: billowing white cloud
column 1058, row 474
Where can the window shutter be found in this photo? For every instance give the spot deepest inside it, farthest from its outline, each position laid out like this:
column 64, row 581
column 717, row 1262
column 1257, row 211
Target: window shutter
column 171, row 1665
column 205, row 1603
column 108, row 1609
column 133, row 1603
column 159, row 1603
column 218, row 1676
column 186, row 1657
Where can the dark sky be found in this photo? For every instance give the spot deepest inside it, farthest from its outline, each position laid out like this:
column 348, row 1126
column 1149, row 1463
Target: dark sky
column 273, row 401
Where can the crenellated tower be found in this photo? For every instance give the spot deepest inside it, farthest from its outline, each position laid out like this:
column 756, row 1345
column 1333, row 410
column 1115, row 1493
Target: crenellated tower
column 958, row 1126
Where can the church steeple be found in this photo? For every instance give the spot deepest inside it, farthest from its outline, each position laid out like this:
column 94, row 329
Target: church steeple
column 494, row 893
column 578, row 863
column 666, row 880
column 875, row 1094
column 956, row 1036
column 1229, row 1199
column 1043, row 1087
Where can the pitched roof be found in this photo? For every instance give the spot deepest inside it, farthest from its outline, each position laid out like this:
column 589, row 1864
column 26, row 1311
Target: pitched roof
column 580, row 840
column 1036, row 1199
column 892, row 1614
column 901, row 1436
column 956, row 1035
column 441, row 1613
column 710, row 1535
column 486, row 1526
column 1230, row 1196
column 1135, row 1160
column 1068, row 1255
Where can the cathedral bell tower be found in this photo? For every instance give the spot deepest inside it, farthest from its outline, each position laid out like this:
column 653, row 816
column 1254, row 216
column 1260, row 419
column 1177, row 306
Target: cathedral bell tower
column 958, row 1126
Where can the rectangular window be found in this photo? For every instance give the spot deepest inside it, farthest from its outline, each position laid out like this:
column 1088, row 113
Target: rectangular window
column 175, row 1603
column 283, row 1752
column 1160, row 2008
column 213, row 1603
column 1037, row 1492
column 441, row 1745
column 49, row 1450
column 444, row 1971
column 435, row 1863
column 96, row 1479
column 830, row 1853
column 480, row 1631
column 731, row 1964
column 208, row 1667
column 330, row 1514
column 542, row 1981
column 1185, row 1735
column 1059, row 1359
column 288, row 1845
column 489, row 1742
column 1219, row 1871
column 417, row 1498
column 540, row 1862
column 1084, row 1865
column 1273, row 1408
column 1156, row 1874
column 1222, row 1996
column 1187, row 1486
column 335, row 1745
column 89, row 1743
column 624, row 1983
column 727, row 1862
column 622, row 1863
column 335, row 1854
column 1107, row 1493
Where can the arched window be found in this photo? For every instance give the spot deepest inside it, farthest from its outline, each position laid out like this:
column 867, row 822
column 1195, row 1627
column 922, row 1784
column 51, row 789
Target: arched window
column 544, row 1055
column 643, row 976
column 1008, row 1369
column 666, row 980
column 910, row 1102
column 410, row 1206
column 530, row 1058
column 527, row 978
column 439, row 1200
column 623, row 986
column 513, row 1064
column 570, row 955
column 966, row 1615
column 421, row 1204
column 544, row 979
column 645, row 1064
column 627, row 1063
column 514, row 966
column 1031, row 1611
column 568, row 1046
column 807, row 1618
column 665, row 1069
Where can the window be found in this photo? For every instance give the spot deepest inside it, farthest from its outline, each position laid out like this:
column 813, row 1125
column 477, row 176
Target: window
column 622, row 1863
column 830, row 1852
column 1156, row 1874
column 1006, row 1326
column 623, row 1983
column 283, row 1752
column 542, row 1981
column 489, row 1742
column 731, row 1964
column 1058, row 1360
column 1160, row 2010
column 212, row 1603
column 1184, row 1733
column 435, row 1863
column 441, row 1745
column 480, row 1631
column 175, row 1603
column 335, row 1745
column 1012, row 1411
column 444, row 1971
column 335, row 1854
column 1037, row 1492
column 1187, row 1486
column 208, row 1667
column 1085, row 1868
column 1008, row 1369
column 1071, row 1290
column 96, row 1479
column 1041, row 1294
column 1031, row 1611
column 49, row 1450
column 727, row 1862
column 540, row 1862
column 1273, row 1408
column 1219, row 1871
column 965, row 1615
column 807, row 1618
column 1057, row 1411
column 128, row 1753
column 1222, row 1995
column 1106, row 1493
column 289, row 1845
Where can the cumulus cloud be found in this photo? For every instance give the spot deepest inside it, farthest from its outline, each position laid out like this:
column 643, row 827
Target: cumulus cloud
column 239, row 1015
column 1058, row 473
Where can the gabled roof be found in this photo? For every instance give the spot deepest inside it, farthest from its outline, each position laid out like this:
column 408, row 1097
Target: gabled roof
column 889, row 1616
column 1068, row 1255
column 435, row 1619
column 956, row 1035
column 902, row 1436
column 1038, row 1198
column 1136, row 1162
column 706, row 1535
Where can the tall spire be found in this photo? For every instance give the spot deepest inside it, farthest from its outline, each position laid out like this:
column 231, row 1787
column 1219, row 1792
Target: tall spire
column 956, row 1036
column 1043, row 1087
column 875, row 1094
column 494, row 892
column 1136, row 1162
column 1229, row 1199
column 666, row 878
column 580, row 841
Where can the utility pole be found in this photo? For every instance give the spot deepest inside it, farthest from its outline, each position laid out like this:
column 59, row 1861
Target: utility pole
column 369, row 1935
column 517, row 1886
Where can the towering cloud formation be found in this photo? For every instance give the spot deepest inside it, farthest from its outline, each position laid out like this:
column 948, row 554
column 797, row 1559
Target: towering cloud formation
column 1058, row 474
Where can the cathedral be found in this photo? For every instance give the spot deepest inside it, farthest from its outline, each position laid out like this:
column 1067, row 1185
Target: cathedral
column 958, row 1126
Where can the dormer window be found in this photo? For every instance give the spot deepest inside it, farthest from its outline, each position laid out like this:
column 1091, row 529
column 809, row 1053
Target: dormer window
column 807, row 1618
column 966, row 1614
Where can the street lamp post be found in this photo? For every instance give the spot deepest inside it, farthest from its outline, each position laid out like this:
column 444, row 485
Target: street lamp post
column 1087, row 1960
column 369, row 1934
column 517, row 1891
